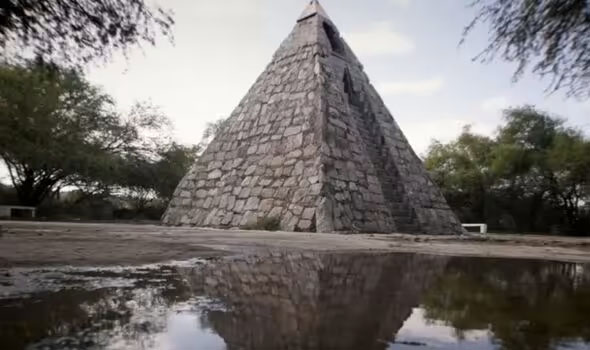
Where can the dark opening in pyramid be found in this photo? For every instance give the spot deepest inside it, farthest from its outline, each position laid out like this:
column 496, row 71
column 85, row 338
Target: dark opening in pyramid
column 313, row 145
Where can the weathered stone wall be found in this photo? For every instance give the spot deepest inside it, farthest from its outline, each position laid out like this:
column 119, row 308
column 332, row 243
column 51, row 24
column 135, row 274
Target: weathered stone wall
column 433, row 213
column 265, row 162
column 315, row 301
column 374, row 179
column 312, row 144
column 354, row 197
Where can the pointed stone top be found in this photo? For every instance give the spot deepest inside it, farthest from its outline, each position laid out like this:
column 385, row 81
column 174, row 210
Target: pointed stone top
column 314, row 8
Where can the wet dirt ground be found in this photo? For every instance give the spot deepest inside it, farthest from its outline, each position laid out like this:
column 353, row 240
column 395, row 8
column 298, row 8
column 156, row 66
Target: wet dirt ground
column 102, row 244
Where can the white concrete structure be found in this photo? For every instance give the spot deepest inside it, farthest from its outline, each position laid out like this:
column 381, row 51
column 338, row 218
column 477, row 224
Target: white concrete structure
column 483, row 228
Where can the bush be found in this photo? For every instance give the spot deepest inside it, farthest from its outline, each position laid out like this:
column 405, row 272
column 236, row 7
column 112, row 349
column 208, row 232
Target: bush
column 89, row 209
column 8, row 195
column 99, row 208
column 265, row 224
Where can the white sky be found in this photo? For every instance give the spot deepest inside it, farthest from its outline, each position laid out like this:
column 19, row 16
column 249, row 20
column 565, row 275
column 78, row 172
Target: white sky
column 437, row 335
column 409, row 49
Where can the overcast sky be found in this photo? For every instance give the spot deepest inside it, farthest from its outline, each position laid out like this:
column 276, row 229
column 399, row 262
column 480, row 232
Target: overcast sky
column 409, row 49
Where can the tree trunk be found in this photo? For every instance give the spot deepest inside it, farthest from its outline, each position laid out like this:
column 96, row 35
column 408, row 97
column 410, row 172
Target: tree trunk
column 32, row 194
column 536, row 204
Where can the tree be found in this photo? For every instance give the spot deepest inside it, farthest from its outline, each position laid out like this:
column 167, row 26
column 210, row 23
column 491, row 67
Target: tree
column 79, row 31
column 175, row 161
column 462, row 170
column 58, row 130
column 552, row 36
column 541, row 159
column 212, row 129
column 144, row 179
column 533, row 175
column 44, row 115
column 519, row 163
column 568, row 161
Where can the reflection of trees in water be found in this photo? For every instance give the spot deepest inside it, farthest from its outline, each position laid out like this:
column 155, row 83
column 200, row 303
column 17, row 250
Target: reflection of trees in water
column 526, row 304
column 80, row 318
column 316, row 301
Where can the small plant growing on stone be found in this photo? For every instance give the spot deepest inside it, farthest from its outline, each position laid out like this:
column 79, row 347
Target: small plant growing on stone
column 265, row 224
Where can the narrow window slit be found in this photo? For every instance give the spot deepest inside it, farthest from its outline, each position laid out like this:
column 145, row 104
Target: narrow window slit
column 349, row 89
column 334, row 39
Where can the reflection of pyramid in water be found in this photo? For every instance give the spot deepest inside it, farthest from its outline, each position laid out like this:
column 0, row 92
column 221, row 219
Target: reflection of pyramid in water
column 313, row 144
column 287, row 300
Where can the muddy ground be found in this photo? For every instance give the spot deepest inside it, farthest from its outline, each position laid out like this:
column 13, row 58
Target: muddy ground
column 78, row 244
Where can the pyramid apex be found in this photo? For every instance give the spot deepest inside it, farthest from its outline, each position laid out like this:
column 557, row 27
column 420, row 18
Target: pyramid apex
column 312, row 9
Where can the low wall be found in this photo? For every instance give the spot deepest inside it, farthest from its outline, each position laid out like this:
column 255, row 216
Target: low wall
column 15, row 211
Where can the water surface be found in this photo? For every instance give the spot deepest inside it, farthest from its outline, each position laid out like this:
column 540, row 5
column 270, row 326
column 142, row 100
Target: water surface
column 301, row 301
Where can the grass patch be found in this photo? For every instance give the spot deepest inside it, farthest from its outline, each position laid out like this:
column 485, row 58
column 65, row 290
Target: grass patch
column 264, row 224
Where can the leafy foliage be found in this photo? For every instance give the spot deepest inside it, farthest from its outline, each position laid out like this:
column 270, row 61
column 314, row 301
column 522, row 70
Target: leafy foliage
column 79, row 31
column 532, row 176
column 58, row 130
column 144, row 179
column 8, row 195
column 46, row 114
column 211, row 130
column 174, row 162
column 462, row 169
column 552, row 36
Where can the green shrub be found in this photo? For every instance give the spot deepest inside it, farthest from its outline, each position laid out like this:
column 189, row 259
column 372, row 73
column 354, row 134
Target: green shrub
column 265, row 224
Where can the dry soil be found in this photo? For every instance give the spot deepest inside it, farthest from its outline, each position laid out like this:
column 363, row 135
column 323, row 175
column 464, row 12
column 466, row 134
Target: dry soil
column 81, row 244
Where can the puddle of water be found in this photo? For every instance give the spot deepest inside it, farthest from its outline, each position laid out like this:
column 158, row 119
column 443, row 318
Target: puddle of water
column 301, row 301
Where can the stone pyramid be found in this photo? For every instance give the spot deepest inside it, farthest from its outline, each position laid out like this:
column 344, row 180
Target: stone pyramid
column 313, row 145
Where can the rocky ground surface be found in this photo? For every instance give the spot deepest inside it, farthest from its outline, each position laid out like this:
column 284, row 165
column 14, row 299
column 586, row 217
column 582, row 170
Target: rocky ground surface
column 85, row 244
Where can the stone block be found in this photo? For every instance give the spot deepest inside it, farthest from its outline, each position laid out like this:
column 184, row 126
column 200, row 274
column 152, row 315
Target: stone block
column 266, row 205
column 292, row 131
column 290, row 182
column 215, row 174
column 239, row 206
column 267, row 193
column 245, row 193
column 275, row 212
column 249, row 218
column 294, row 154
column 252, row 203
column 277, row 161
column 308, row 213
column 256, row 191
column 231, row 202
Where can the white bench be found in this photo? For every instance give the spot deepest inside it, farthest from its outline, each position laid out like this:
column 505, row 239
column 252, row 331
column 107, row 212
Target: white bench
column 483, row 228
